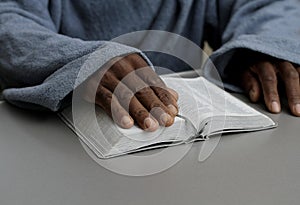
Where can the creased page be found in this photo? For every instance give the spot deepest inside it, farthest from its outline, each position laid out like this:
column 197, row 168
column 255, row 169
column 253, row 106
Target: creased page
column 195, row 102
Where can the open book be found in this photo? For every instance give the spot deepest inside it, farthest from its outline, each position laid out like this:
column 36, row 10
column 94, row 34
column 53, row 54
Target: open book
column 204, row 110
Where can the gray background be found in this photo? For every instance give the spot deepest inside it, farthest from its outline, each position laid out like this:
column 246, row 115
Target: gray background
column 42, row 162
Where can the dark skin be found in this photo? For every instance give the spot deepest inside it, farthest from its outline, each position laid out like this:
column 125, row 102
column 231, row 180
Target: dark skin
column 138, row 101
column 261, row 80
column 262, row 76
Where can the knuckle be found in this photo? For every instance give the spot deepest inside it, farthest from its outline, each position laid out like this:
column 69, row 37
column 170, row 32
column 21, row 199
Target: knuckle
column 121, row 68
column 137, row 59
column 164, row 95
column 118, row 66
column 125, row 95
column 273, row 95
column 294, row 97
column 140, row 113
column 107, row 78
column 132, row 57
column 145, row 92
column 292, row 74
column 270, row 79
column 154, row 104
column 107, row 95
column 102, row 94
column 285, row 64
column 155, row 82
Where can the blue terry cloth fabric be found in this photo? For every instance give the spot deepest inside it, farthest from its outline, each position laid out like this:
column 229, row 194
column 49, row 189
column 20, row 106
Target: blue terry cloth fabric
column 268, row 27
column 44, row 43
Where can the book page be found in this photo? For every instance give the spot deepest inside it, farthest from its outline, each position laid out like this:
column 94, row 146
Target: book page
column 194, row 102
column 215, row 108
column 105, row 138
column 203, row 108
column 95, row 129
column 234, row 113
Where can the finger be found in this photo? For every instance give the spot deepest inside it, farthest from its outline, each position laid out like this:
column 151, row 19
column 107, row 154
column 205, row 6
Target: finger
column 106, row 100
column 290, row 77
column 129, row 102
column 251, row 85
column 266, row 73
column 149, row 99
column 174, row 93
column 148, row 75
column 168, row 96
column 144, row 119
column 137, row 60
column 139, row 113
column 124, row 66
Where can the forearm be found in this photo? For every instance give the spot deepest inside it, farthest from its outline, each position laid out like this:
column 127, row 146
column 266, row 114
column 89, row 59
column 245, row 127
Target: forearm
column 269, row 27
column 39, row 66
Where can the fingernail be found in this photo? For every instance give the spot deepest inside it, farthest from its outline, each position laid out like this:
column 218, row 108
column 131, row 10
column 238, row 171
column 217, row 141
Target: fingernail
column 297, row 108
column 149, row 123
column 275, row 107
column 126, row 121
column 173, row 109
column 165, row 119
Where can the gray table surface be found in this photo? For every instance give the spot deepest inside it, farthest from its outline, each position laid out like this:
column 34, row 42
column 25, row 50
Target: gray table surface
column 42, row 162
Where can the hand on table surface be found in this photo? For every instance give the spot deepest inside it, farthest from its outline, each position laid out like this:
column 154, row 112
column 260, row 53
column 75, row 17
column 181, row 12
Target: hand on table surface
column 141, row 96
column 264, row 79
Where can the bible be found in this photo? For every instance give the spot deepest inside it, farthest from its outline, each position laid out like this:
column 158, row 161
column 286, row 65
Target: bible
column 204, row 110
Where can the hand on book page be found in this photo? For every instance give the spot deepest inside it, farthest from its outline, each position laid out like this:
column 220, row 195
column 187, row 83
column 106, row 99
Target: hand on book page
column 131, row 92
column 204, row 110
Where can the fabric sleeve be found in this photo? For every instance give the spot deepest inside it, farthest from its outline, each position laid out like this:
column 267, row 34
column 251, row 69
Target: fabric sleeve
column 270, row 27
column 38, row 66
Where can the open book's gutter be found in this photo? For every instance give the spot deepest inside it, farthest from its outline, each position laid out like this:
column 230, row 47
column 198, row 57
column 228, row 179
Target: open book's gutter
column 199, row 133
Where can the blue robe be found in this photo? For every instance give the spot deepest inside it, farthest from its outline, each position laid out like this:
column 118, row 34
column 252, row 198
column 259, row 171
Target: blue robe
column 44, row 43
